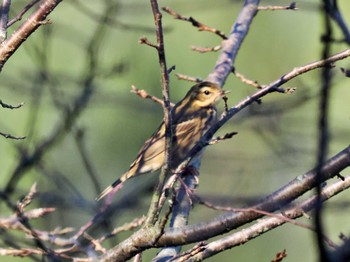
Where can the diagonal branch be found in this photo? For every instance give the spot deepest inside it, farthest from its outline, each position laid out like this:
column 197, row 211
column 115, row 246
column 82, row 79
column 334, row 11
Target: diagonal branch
column 276, row 200
column 10, row 46
column 21, row 14
column 331, row 7
column 231, row 46
column 146, row 237
column 195, row 23
column 267, row 224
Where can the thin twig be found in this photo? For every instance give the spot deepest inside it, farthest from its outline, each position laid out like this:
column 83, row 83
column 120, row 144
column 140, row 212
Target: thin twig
column 137, row 222
column 13, row 222
column 246, row 80
column 217, row 139
column 95, row 243
column 171, row 69
column 27, row 199
column 21, row 14
column 206, row 49
column 195, row 23
column 4, row 105
column 189, row 78
column 143, row 94
column 25, row 222
column 111, row 19
column 280, row 256
column 12, row 137
column 292, row 6
column 284, row 216
column 144, row 41
column 79, row 136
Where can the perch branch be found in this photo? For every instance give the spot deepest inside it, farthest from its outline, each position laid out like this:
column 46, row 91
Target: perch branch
column 269, row 223
column 154, row 210
column 146, row 237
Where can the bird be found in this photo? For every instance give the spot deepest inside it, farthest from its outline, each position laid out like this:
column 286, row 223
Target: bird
column 191, row 118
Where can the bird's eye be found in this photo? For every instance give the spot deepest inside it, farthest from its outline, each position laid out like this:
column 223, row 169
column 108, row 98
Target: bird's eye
column 206, row 92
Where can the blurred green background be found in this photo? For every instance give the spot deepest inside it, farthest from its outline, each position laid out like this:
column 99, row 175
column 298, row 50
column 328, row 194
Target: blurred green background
column 276, row 141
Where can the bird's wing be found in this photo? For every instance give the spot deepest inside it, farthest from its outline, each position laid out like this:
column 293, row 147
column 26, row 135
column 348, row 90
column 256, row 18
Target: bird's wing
column 187, row 134
column 151, row 155
column 184, row 129
column 149, row 158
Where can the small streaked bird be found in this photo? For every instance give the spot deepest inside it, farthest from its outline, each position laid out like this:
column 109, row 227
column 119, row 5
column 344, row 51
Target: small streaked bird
column 191, row 118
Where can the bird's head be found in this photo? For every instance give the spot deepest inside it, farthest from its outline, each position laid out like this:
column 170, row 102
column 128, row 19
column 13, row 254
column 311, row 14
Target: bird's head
column 205, row 94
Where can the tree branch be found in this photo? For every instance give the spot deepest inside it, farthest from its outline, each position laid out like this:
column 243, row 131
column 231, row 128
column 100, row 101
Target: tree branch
column 264, row 225
column 146, row 237
column 195, row 23
column 153, row 213
column 231, row 46
column 323, row 138
column 4, row 17
column 10, row 46
column 276, row 200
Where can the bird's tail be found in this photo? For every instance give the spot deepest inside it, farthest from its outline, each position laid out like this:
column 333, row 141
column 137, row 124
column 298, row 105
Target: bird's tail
column 109, row 189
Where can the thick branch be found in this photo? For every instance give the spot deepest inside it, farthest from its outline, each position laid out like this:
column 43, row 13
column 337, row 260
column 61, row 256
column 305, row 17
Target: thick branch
column 231, row 46
column 276, row 200
column 145, row 238
column 267, row 224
